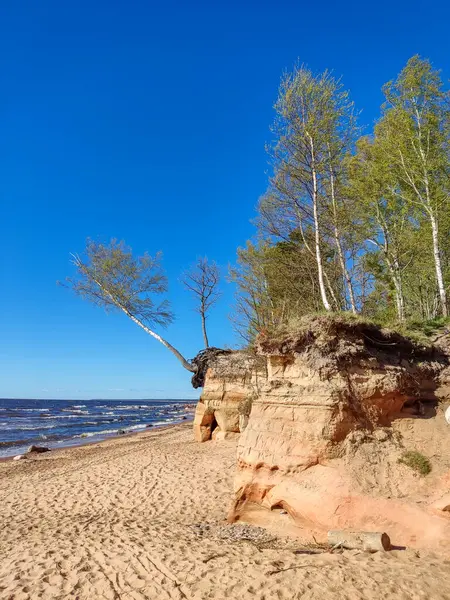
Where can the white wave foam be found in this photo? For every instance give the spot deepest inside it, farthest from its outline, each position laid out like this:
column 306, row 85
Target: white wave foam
column 13, row 408
column 95, row 433
column 25, row 428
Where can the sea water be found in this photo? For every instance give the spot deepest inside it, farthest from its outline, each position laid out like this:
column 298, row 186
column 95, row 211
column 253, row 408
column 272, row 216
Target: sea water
column 57, row 423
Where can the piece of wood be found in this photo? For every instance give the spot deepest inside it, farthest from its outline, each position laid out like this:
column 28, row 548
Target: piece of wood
column 369, row 541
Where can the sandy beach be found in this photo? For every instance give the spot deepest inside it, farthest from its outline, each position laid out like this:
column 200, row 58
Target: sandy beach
column 143, row 517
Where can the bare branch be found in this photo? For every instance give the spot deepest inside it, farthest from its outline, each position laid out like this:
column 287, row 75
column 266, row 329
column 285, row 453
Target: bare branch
column 202, row 280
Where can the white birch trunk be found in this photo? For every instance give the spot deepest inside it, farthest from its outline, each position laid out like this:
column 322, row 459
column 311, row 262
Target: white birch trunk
column 345, row 273
column 398, row 287
column 437, row 262
column 187, row 365
column 368, row 541
column 433, row 220
column 323, row 291
column 394, row 271
column 332, row 294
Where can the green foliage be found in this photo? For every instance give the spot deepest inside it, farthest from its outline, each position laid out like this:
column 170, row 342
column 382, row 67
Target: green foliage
column 109, row 276
column 426, row 330
column 416, row 461
column 275, row 284
column 354, row 223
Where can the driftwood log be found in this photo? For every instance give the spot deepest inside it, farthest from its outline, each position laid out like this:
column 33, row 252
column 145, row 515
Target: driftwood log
column 368, row 541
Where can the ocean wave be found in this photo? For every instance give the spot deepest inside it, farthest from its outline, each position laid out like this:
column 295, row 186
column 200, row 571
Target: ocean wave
column 128, row 407
column 31, row 428
column 62, row 416
column 87, row 434
column 134, row 427
column 127, row 429
column 18, row 409
column 62, row 426
column 28, row 441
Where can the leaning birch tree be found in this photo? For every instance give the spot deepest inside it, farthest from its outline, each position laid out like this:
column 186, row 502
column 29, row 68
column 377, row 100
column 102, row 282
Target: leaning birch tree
column 111, row 277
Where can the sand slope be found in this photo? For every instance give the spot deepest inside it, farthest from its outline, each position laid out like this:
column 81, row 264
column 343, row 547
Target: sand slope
column 118, row 521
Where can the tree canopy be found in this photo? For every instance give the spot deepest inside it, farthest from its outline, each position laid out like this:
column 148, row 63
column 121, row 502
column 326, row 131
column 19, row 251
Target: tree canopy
column 350, row 222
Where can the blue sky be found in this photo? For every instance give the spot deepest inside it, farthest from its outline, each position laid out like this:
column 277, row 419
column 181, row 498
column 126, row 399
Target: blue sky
column 146, row 122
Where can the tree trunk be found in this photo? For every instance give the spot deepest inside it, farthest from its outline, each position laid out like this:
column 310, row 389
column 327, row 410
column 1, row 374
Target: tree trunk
column 437, row 262
column 369, row 541
column 433, row 220
column 345, row 273
column 205, row 335
column 398, row 287
column 323, row 291
column 332, row 294
column 398, row 283
column 393, row 268
column 187, row 365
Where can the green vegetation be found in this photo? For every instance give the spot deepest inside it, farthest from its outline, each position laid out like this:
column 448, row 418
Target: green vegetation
column 428, row 328
column 353, row 227
column 416, row 461
column 349, row 223
column 108, row 275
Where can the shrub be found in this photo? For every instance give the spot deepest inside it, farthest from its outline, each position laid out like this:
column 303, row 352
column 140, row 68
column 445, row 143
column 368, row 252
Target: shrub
column 416, row 461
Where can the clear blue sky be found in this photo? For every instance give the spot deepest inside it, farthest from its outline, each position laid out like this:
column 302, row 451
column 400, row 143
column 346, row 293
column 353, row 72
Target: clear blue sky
column 146, row 121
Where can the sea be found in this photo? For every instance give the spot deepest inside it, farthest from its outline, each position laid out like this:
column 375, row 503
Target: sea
column 59, row 423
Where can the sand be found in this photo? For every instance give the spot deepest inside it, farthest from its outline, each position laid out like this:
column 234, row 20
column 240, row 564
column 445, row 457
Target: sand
column 143, row 517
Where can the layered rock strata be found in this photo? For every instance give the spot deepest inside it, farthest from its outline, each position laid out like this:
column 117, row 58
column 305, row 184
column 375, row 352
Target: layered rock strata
column 321, row 450
column 232, row 381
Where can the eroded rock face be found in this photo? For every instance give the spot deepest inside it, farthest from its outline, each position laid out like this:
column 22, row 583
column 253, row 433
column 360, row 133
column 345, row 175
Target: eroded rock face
column 320, row 442
column 232, row 380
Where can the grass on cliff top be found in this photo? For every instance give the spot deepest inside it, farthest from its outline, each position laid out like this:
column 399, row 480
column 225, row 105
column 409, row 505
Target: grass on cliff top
column 325, row 330
column 416, row 461
column 425, row 331
column 422, row 332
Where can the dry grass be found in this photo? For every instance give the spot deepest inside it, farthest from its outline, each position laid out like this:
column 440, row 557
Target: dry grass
column 344, row 336
column 416, row 461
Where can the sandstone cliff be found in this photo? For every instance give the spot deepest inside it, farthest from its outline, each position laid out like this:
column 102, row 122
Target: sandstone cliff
column 340, row 405
column 231, row 381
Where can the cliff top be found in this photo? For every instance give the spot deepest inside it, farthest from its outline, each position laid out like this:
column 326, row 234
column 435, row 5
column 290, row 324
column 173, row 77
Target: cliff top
column 342, row 337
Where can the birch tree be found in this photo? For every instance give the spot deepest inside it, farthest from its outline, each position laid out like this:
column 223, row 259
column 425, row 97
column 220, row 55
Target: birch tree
column 111, row 277
column 275, row 284
column 414, row 135
column 383, row 217
column 202, row 280
column 313, row 130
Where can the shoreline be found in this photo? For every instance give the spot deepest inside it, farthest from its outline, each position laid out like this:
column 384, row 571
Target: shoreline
column 111, row 437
